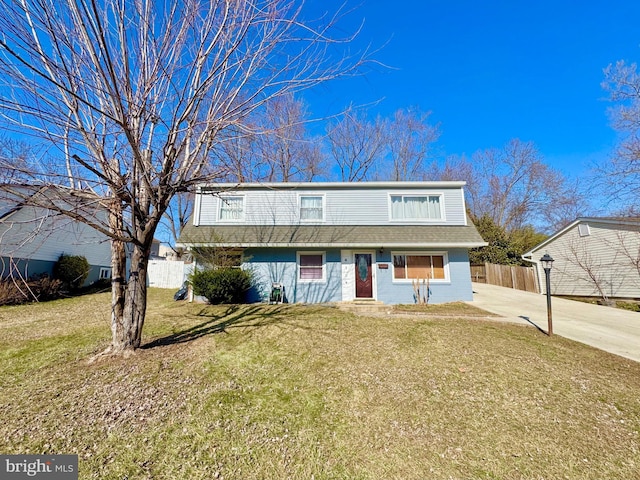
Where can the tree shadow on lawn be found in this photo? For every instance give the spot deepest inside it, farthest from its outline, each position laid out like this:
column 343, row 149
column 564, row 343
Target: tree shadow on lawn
column 235, row 316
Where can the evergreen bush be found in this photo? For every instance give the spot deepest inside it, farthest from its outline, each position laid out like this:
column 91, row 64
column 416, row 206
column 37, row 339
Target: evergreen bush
column 221, row 285
column 71, row 270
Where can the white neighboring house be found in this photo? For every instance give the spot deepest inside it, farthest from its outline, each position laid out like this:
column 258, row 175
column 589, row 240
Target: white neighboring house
column 594, row 257
column 32, row 238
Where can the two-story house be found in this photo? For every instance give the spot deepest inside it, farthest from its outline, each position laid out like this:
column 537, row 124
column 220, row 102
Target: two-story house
column 333, row 242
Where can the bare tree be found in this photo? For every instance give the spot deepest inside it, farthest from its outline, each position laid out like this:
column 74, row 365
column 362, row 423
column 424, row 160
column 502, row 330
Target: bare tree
column 135, row 97
column 178, row 214
column 357, row 145
column 15, row 158
column 567, row 202
column 620, row 175
column 410, row 138
column 628, row 245
column 514, row 187
column 238, row 154
column 288, row 153
column 454, row 168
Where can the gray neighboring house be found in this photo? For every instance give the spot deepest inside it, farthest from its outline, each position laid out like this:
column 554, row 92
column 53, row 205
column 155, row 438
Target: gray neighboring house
column 32, row 237
column 337, row 242
column 594, row 257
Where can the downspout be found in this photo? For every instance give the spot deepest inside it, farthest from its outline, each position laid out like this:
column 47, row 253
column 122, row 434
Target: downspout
column 197, row 206
column 529, row 258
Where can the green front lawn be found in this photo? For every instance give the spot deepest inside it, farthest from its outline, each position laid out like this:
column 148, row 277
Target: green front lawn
column 274, row 392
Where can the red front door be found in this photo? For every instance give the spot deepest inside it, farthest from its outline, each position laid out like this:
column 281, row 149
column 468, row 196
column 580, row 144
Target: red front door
column 364, row 281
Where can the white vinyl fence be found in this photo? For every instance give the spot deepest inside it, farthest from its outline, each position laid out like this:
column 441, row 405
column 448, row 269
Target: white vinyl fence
column 167, row 273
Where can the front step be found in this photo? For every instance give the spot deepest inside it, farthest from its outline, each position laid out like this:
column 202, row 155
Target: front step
column 364, row 306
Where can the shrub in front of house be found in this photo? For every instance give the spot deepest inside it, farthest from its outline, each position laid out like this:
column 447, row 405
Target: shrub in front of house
column 45, row 288
column 221, row 285
column 17, row 291
column 71, row 270
column 11, row 294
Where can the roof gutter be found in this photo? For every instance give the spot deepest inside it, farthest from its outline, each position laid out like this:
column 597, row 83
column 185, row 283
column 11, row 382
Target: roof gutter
column 336, row 245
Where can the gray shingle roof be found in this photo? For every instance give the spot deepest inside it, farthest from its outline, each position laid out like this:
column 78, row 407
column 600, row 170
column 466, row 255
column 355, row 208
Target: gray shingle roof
column 341, row 236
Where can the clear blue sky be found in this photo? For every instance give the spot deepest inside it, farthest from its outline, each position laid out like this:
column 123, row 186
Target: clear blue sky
column 490, row 71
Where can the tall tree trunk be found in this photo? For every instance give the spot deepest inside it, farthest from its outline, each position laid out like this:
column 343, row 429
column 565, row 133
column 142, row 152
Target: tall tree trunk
column 127, row 331
column 118, row 271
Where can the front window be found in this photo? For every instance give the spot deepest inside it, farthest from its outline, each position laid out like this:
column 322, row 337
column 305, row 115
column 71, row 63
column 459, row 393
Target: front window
column 105, row 273
column 311, row 267
column 419, row 267
column 232, row 208
column 311, row 208
column 415, row 207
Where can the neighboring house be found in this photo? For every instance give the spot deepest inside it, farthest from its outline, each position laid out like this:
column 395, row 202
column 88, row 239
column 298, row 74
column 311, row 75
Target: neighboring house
column 594, row 257
column 155, row 250
column 32, row 238
column 332, row 242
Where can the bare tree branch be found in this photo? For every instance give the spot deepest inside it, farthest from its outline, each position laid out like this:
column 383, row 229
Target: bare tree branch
column 619, row 176
column 357, row 145
column 136, row 97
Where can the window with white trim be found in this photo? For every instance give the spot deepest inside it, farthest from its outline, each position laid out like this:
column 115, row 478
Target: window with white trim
column 232, row 208
column 311, row 267
column 420, row 266
column 416, row 207
column 311, row 208
column 105, row 273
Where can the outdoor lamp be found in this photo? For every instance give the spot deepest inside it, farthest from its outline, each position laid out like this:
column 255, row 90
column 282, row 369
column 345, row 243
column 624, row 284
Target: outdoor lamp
column 547, row 263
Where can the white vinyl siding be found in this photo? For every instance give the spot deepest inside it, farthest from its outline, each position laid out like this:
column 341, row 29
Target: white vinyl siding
column 608, row 253
column 340, row 206
column 37, row 234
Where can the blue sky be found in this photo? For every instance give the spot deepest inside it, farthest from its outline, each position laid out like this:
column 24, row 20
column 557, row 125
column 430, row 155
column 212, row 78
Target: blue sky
column 490, row 71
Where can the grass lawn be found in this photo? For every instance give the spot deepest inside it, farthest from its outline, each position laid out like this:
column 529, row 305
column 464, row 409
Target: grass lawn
column 275, row 392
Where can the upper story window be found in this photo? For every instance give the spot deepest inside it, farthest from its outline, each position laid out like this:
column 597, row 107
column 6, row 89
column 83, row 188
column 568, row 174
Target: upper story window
column 232, row 208
column 311, row 208
column 416, row 207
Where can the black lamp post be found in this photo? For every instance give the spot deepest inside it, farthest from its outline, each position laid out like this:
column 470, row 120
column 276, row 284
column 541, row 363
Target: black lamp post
column 547, row 263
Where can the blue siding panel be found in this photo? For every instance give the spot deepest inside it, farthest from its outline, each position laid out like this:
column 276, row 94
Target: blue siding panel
column 459, row 289
column 33, row 268
column 279, row 265
column 270, row 266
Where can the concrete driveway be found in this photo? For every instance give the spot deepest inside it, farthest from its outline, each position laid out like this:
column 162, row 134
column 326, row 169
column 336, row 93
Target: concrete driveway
column 610, row 329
